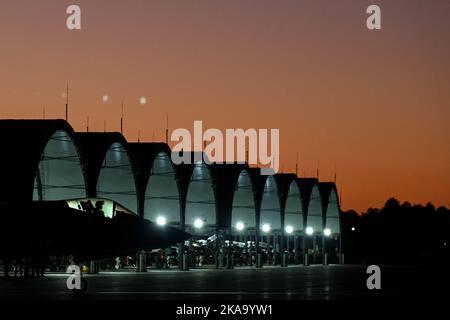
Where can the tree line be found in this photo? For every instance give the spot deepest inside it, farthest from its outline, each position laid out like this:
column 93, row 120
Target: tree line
column 397, row 233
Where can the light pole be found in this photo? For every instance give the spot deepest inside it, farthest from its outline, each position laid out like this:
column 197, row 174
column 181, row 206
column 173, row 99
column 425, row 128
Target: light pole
column 309, row 232
column 198, row 225
column 266, row 229
column 289, row 230
column 326, row 234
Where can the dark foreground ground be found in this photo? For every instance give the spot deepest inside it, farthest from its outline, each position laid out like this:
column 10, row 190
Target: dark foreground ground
column 292, row 283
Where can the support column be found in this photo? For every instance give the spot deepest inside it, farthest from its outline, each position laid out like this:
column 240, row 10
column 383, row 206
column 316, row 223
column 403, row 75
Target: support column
column 336, row 249
column 285, row 253
column 186, row 262
column 217, row 251
column 253, row 247
column 341, row 255
column 249, row 248
column 314, row 249
column 138, row 261
column 180, row 256
column 275, row 249
column 230, row 262
column 93, row 267
column 296, row 250
column 287, row 243
column 305, row 251
column 192, row 257
column 141, row 261
column 258, row 257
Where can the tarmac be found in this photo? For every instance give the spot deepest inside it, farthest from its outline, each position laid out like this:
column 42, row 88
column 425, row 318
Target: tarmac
column 317, row 282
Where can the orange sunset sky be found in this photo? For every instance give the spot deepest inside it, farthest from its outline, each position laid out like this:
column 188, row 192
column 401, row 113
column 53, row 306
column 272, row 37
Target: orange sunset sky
column 374, row 103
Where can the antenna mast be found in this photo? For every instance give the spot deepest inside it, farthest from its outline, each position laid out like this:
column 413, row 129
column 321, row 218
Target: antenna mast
column 318, row 164
column 204, row 142
column 67, row 101
column 121, row 120
column 335, row 179
column 167, row 128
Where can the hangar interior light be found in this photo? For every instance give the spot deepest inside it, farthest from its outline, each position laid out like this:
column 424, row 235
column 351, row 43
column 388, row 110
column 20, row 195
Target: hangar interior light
column 309, row 231
column 327, row 232
column 240, row 226
column 161, row 221
column 266, row 227
column 198, row 223
column 289, row 229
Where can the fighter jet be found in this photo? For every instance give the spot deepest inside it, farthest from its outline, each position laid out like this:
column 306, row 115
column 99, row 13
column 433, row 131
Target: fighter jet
column 87, row 229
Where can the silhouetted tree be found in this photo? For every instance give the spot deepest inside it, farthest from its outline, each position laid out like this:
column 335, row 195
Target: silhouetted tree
column 397, row 233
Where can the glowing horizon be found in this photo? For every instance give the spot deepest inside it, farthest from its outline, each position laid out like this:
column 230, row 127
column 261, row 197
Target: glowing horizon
column 375, row 105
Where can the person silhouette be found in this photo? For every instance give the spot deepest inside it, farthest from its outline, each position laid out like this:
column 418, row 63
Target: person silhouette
column 98, row 210
column 89, row 207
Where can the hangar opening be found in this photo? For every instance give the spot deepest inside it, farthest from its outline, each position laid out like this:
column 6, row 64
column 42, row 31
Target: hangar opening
column 162, row 199
column 243, row 219
column 243, row 216
column 293, row 222
column 332, row 221
column 332, row 228
column 200, row 214
column 314, row 225
column 116, row 178
column 200, row 218
column 293, row 214
column 60, row 174
column 270, row 222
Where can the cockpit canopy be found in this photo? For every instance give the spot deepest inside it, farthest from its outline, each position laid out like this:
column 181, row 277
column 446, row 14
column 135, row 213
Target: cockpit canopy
column 99, row 206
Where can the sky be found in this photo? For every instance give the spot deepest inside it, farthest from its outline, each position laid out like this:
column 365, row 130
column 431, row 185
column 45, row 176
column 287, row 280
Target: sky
column 375, row 105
